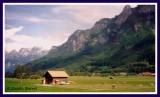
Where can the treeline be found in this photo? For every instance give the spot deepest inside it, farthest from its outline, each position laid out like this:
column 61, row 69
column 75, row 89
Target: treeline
column 23, row 72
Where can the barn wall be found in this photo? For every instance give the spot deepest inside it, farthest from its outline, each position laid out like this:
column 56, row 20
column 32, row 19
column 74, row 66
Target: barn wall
column 48, row 78
column 59, row 79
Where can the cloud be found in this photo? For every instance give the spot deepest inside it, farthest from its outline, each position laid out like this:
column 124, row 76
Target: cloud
column 24, row 41
column 40, row 20
column 35, row 19
column 81, row 14
column 88, row 14
column 11, row 32
column 9, row 40
column 29, row 18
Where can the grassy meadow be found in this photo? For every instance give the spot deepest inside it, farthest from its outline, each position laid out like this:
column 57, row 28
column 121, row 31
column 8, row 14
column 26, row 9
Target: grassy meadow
column 85, row 84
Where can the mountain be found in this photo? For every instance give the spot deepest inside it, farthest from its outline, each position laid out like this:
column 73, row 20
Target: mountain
column 123, row 43
column 23, row 56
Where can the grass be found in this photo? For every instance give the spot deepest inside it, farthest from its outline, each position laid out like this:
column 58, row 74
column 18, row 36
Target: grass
column 85, row 84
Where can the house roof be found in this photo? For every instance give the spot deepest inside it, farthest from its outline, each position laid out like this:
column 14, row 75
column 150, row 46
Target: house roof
column 58, row 73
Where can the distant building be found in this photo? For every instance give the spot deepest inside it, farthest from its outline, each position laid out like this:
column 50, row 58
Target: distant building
column 123, row 74
column 147, row 74
column 55, row 77
column 152, row 74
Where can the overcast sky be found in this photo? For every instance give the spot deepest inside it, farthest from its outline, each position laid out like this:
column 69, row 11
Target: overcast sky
column 45, row 26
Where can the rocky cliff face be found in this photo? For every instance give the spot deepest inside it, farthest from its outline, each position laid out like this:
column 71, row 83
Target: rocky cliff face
column 81, row 38
column 78, row 40
column 127, row 11
column 101, row 24
column 145, row 9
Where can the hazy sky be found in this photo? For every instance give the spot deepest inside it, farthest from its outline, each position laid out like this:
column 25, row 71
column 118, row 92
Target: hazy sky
column 45, row 26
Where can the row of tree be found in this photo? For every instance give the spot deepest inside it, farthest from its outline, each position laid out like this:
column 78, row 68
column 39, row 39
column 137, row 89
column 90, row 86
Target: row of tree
column 23, row 72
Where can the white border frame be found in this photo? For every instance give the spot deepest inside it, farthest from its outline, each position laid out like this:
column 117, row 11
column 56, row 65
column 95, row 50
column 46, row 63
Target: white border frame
column 156, row 32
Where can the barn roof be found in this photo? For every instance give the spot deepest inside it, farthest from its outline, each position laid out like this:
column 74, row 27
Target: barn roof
column 58, row 73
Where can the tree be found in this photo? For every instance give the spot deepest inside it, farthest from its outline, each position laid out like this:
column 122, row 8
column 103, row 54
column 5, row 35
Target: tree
column 9, row 74
column 22, row 72
column 27, row 72
column 41, row 73
column 35, row 76
column 138, row 67
column 17, row 73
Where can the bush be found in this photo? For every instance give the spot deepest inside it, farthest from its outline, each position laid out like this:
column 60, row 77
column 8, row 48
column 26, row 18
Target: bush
column 35, row 76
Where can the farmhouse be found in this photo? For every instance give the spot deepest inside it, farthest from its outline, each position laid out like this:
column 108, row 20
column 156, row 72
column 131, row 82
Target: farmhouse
column 55, row 77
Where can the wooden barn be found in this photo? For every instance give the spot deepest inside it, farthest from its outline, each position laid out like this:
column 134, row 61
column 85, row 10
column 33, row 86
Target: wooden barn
column 55, row 77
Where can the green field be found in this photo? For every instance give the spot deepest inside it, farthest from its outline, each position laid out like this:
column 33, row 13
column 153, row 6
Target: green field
column 85, row 84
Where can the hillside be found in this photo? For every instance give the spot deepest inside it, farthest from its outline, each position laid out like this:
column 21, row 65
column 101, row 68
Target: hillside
column 123, row 43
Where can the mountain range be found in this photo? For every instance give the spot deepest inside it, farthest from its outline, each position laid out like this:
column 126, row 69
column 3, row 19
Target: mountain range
column 23, row 56
column 123, row 43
